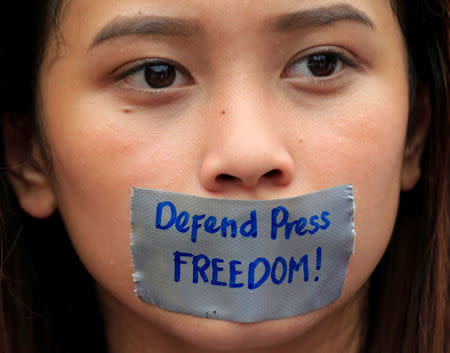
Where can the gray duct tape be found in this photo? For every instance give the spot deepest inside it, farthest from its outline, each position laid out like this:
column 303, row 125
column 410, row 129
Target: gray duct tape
column 241, row 260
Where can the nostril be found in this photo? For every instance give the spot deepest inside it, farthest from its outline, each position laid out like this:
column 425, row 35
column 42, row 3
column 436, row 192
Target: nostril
column 274, row 173
column 225, row 178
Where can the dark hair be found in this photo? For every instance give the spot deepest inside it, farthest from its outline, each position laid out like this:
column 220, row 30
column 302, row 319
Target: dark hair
column 46, row 295
column 409, row 291
column 48, row 300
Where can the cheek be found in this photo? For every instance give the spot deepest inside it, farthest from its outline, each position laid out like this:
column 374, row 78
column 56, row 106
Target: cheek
column 94, row 179
column 367, row 151
column 357, row 140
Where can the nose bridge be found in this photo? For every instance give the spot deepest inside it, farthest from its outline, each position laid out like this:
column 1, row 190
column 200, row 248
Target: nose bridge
column 247, row 149
column 247, row 128
column 246, row 105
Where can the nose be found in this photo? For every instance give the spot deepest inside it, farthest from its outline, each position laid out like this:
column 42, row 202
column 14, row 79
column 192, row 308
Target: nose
column 246, row 150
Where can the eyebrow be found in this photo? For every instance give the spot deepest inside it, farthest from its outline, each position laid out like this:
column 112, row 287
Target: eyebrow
column 322, row 16
column 167, row 26
column 144, row 25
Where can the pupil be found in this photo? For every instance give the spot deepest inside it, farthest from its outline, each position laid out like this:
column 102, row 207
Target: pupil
column 322, row 64
column 160, row 75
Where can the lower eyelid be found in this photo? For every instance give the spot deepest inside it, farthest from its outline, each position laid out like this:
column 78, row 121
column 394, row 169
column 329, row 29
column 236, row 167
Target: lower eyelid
column 321, row 86
column 152, row 97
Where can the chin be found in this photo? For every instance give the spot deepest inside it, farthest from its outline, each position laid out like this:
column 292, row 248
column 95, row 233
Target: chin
column 150, row 323
column 219, row 335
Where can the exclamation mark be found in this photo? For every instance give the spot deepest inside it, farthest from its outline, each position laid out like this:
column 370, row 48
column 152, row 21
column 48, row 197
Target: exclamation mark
column 318, row 261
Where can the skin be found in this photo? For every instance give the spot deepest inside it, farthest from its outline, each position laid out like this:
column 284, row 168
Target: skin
column 242, row 111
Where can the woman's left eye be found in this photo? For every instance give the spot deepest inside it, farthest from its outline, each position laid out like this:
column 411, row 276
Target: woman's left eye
column 317, row 65
column 156, row 75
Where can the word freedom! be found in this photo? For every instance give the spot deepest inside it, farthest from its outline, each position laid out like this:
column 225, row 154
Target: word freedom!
column 278, row 271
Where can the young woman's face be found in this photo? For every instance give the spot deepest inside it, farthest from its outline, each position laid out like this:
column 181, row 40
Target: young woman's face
column 226, row 98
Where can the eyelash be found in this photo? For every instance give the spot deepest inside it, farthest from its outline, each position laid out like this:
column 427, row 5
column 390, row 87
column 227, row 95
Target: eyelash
column 340, row 55
column 142, row 65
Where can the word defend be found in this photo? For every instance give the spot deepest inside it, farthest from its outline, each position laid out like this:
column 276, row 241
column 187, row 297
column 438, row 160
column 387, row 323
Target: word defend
column 184, row 223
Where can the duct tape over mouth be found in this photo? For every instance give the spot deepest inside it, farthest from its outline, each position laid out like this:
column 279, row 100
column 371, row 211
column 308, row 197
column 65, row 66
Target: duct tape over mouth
column 241, row 260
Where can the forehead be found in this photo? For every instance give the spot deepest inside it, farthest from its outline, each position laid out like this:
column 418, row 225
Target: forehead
column 232, row 16
column 217, row 23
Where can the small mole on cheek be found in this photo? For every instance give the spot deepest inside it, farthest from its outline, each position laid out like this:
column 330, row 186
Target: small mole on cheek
column 126, row 109
column 222, row 112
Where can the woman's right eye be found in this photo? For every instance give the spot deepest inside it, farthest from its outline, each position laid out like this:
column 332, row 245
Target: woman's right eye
column 156, row 75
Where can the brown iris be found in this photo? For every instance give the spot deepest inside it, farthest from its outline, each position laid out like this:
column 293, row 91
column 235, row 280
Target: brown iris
column 160, row 75
column 322, row 64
